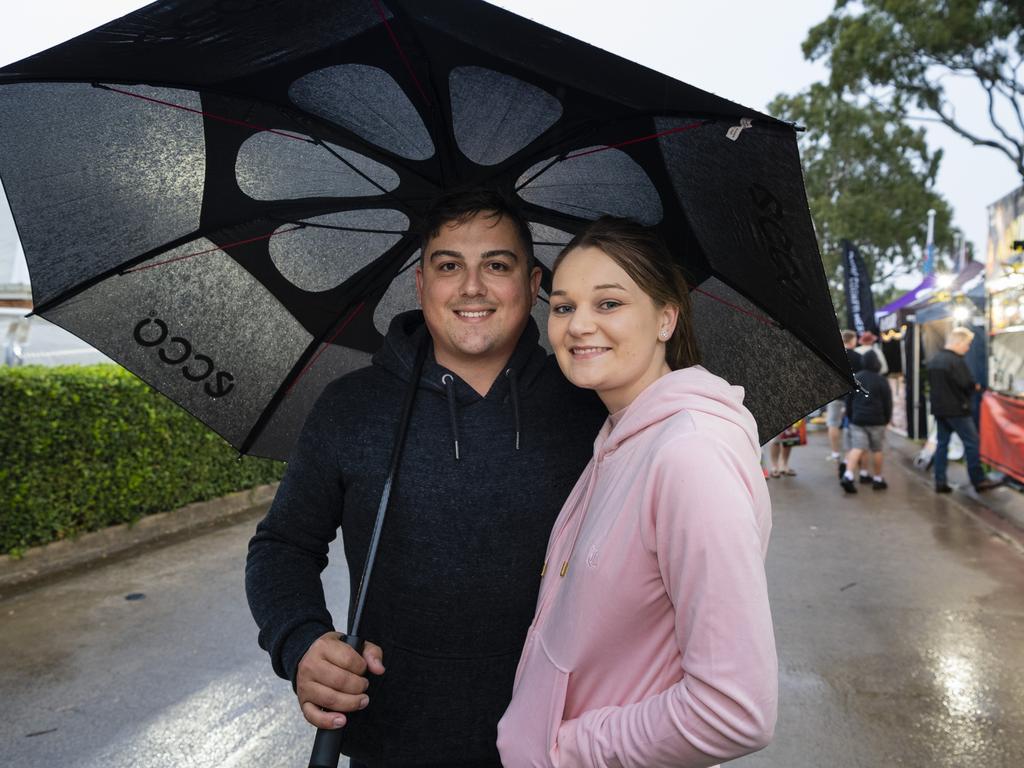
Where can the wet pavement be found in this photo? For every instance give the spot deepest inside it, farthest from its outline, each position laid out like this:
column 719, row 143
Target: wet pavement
column 899, row 618
column 148, row 661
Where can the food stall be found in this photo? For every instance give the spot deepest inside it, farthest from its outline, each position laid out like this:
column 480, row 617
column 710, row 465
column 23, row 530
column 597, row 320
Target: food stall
column 1002, row 407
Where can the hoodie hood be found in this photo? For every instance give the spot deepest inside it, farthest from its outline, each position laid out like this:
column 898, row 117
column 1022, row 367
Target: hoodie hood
column 407, row 331
column 871, row 362
column 693, row 389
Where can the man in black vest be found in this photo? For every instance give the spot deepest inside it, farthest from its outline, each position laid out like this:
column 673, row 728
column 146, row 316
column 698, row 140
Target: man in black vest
column 951, row 386
column 497, row 439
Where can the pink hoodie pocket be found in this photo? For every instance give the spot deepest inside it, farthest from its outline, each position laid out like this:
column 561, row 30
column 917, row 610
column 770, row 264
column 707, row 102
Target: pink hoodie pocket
column 528, row 731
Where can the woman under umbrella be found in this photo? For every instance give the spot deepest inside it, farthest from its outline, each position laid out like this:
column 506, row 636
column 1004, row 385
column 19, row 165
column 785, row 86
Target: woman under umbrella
column 652, row 641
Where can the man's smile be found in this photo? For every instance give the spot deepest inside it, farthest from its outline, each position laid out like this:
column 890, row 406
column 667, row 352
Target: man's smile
column 474, row 314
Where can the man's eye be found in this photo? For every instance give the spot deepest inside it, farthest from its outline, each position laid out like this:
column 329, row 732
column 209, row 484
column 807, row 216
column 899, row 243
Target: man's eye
column 498, row 266
column 448, row 266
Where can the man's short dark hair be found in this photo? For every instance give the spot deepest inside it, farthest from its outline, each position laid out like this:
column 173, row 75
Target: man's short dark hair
column 461, row 205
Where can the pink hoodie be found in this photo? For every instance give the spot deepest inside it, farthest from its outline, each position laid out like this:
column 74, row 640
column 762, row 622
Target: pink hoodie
column 656, row 646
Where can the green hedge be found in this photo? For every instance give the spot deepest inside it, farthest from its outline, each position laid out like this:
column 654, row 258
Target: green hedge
column 84, row 447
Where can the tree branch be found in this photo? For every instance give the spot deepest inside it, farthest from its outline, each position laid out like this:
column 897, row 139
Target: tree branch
column 1010, row 97
column 950, row 122
column 990, row 88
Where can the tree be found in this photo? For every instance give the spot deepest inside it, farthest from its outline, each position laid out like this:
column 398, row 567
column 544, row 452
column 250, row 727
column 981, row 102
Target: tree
column 870, row 178
column 903, row 52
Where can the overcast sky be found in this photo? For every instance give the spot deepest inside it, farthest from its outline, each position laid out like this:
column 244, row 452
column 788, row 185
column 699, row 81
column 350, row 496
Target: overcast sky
column 745, row 50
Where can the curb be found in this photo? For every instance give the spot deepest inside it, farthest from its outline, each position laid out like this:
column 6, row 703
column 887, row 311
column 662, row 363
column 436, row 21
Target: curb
column 57, row 557
column 1005, row 520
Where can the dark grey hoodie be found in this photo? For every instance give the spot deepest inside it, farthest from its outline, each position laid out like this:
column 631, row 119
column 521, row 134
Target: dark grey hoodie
column 456, row 578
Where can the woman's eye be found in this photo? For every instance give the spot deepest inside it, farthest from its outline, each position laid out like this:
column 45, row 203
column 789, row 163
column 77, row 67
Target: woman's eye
column 609, row 304
column 561, row 309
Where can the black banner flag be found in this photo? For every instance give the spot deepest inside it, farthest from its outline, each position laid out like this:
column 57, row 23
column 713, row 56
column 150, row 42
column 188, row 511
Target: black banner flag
column 860, row 306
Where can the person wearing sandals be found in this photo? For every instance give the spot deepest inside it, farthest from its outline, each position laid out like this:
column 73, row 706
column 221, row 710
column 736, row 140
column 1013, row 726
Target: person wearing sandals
column 779, row 448
column 652, row 641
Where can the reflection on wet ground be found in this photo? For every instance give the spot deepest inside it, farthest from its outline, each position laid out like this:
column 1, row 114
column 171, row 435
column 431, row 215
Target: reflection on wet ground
column 899, row 619
column 900, row 624
column 148, row 661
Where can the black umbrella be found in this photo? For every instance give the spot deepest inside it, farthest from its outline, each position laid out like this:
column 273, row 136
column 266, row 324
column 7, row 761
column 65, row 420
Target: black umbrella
column 219, row 195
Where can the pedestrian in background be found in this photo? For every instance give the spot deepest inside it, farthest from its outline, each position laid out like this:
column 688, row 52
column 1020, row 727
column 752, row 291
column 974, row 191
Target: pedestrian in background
column 869, row 418
column 868, row 342
column 782, row 444
column 837, row 412
column 950, row 388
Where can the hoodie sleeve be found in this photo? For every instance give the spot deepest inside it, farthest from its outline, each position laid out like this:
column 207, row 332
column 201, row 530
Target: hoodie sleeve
column 289, row 550
column 707, row 523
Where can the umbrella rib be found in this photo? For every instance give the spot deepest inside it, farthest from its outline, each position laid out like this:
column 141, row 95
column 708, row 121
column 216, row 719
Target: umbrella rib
column 254, row 126
column 204, row 113
column 807, row 343
column 401, row 52
column 760, row 318
column 637, row 140
column 342, row 229
column 126, row 266
column 299, row 225
column 324, row 345
column 541, row 171
column 286, row 386
column 352, row 166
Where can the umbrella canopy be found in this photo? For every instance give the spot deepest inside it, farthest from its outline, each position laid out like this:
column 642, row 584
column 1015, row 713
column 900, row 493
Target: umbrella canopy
column 220, row 196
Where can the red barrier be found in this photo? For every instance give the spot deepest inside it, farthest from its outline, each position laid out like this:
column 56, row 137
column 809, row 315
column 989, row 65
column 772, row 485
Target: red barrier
column 1002, row 433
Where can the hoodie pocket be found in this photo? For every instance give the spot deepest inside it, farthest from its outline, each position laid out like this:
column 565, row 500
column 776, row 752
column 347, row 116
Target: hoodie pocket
column 528, row 732
column 444, row 709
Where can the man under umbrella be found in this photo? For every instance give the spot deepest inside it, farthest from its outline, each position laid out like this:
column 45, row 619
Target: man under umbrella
column 496, row 440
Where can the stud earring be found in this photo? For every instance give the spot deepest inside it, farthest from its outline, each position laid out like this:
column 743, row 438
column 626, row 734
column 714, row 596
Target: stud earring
column 664, row 334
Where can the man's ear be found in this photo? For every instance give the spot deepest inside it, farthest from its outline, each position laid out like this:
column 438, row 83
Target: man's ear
column 535, row 276
column 419, row 284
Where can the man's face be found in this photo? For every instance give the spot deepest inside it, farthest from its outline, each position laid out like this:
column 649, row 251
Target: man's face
column 476, row 291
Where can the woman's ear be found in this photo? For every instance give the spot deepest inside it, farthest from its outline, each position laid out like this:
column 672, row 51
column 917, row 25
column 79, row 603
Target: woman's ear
column 669, row 318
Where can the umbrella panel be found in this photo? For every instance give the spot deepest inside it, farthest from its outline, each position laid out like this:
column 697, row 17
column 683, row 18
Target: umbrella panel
column 307, row 166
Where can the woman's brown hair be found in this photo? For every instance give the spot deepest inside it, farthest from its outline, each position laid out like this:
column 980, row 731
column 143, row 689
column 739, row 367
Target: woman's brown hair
column 645, row 258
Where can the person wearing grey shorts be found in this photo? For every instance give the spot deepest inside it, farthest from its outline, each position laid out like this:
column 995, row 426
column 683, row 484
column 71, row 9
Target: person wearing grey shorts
column 870, row 439
column 870, row 413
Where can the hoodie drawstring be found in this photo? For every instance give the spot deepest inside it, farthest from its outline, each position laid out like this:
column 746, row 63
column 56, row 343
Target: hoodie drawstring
column 449, row 387
column 514, row 392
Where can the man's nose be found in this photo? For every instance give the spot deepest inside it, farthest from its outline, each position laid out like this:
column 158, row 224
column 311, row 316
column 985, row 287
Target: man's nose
column 473, row 283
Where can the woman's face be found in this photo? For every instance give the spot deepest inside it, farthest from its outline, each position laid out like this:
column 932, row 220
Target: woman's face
column 605, row 331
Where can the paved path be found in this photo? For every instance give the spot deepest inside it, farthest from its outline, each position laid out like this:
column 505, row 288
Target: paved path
column 900, row 624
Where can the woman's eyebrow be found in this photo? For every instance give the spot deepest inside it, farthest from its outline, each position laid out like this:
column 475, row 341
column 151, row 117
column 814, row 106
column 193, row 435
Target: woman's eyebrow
column 596, row 288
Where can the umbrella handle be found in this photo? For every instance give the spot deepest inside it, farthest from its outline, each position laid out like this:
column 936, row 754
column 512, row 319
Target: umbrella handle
column 327, row 744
